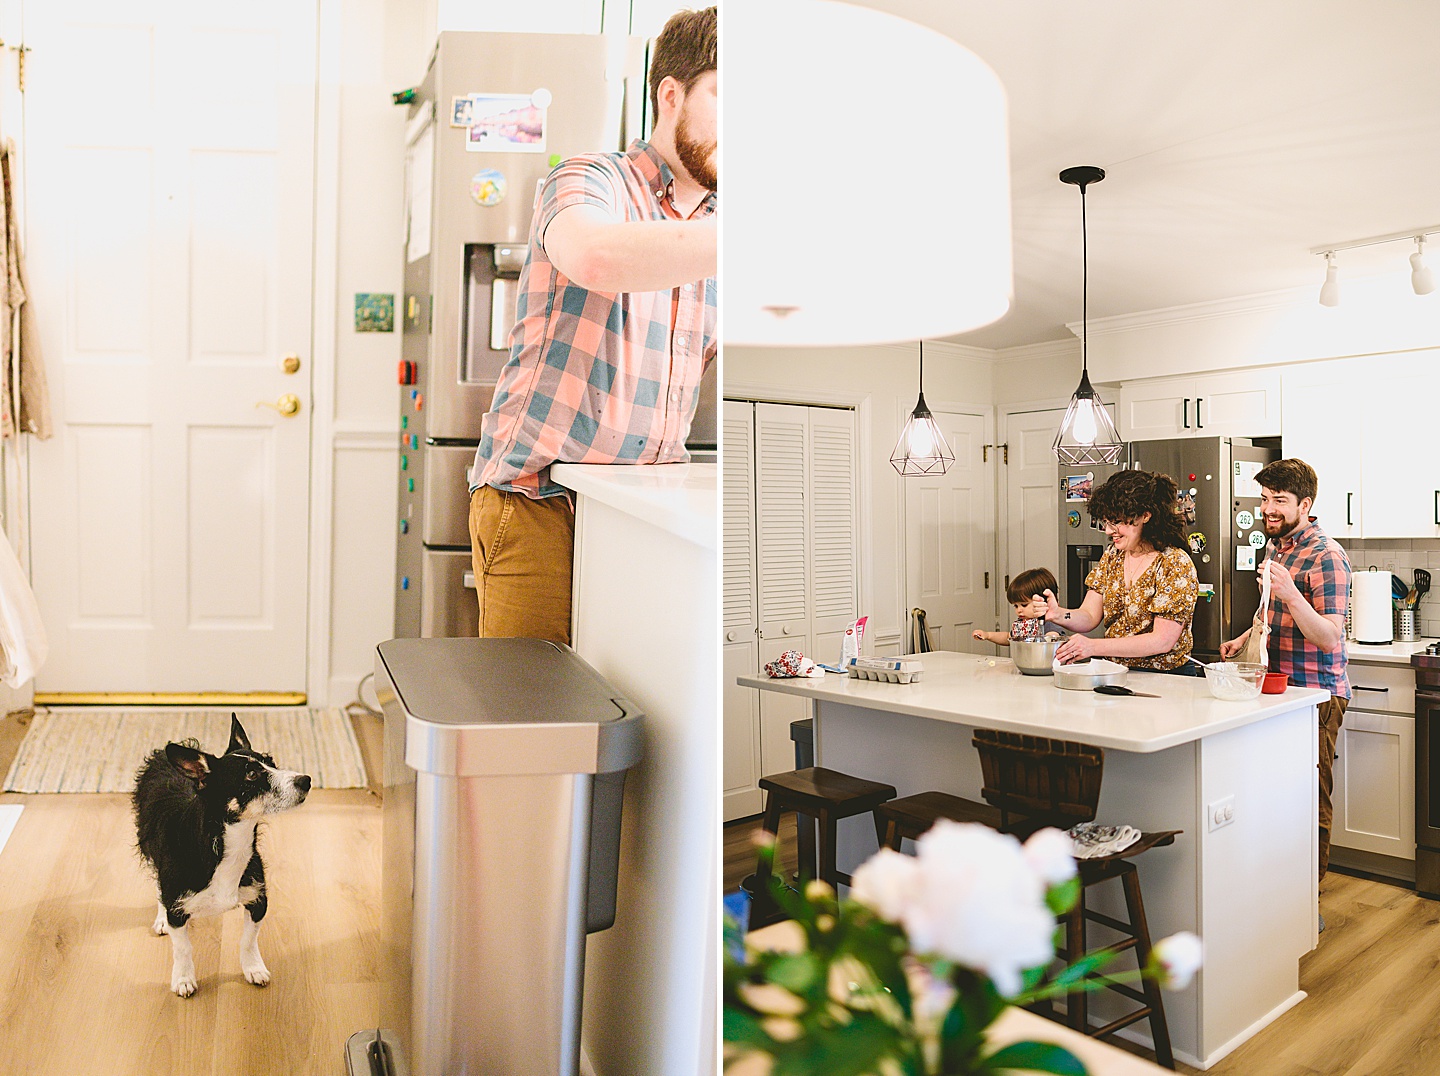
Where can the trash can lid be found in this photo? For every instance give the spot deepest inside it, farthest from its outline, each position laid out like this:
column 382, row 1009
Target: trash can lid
column 505, row 706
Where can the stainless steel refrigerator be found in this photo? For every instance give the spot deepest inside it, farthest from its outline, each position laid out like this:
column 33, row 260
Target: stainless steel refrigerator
column 494, row 114
column 1220, row 504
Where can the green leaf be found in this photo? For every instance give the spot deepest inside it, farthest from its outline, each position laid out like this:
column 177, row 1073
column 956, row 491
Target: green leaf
column 1035, row 1057
column 1061, row 898
column 741, row 1026
column 797, row 972
column 1084, row 966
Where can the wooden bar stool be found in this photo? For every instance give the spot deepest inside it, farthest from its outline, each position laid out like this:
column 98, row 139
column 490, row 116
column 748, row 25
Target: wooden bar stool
column 912, row 816
column 1036, row 782
column 826, row 796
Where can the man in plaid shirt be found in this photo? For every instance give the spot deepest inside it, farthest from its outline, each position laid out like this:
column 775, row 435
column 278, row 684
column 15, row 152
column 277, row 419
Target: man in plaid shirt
column 614, row 326
column 1309, row 589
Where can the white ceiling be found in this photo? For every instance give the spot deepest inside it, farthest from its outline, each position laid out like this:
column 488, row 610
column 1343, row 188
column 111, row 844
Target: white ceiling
column 1236, row 135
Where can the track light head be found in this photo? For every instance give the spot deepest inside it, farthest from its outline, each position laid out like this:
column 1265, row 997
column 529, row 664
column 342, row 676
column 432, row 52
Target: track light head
column 1330, row 290
column 1422, row 277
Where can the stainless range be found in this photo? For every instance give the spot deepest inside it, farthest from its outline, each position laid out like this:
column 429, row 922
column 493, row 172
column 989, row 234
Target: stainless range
column 1427, row 771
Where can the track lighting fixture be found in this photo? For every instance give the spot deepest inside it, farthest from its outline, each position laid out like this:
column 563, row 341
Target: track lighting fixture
column 1422, row 278
column 1330, row 290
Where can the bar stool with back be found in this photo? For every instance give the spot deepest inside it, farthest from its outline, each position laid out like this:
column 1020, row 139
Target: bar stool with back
column 1031, row 782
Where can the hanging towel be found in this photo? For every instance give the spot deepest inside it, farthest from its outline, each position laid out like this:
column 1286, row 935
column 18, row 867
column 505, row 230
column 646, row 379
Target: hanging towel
column 919, row 633
column 23, row 646
column 24, row 393
column 1256, row 649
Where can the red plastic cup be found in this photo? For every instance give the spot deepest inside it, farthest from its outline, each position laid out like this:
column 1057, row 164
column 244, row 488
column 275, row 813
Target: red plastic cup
column 1275, row 684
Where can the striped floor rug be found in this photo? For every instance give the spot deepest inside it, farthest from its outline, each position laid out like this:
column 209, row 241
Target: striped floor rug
column 87, row 749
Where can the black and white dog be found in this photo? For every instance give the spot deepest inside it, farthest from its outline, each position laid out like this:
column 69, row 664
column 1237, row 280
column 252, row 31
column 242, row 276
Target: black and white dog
column 195, row 818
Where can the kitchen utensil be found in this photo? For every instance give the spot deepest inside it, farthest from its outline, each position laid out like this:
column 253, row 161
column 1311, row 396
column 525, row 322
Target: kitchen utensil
column 1422, row 584
column 1398, row 588
column 1034, row 657
column 1086, row 676
column 1275, row 684
column 1117, row 689
column 1234, row 681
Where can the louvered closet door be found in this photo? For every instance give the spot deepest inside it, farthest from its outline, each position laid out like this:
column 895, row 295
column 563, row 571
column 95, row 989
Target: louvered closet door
column 739, row 649
column 782, row 543
column 830, row 500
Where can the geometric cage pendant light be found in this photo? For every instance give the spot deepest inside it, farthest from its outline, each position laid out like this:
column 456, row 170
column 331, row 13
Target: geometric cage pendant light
column 921, row 449
column 1087, row 435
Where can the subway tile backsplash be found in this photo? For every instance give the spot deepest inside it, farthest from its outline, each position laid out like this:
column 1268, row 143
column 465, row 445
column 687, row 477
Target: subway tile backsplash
column 1403, row 556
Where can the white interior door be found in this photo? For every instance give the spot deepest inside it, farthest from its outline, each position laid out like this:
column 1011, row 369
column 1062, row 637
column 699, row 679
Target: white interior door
column 950, row 539
column 170, row 181
column 1032, row 498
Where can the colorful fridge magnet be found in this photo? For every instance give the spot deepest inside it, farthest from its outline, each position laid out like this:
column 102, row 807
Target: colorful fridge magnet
column 1073, row 518
column 1244, row 520
column 374, row 312
column 1077, row 486
column 505, row 123
column 489, row 186
column 1257, row 539
column 1187, row 507
column 1196, row 541
column 461, row 112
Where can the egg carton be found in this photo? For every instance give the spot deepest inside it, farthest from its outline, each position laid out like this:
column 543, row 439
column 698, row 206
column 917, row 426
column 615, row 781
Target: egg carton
column 886, row 670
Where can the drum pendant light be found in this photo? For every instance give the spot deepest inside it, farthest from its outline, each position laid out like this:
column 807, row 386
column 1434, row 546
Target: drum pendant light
column 921, row 449
column 1087, row 435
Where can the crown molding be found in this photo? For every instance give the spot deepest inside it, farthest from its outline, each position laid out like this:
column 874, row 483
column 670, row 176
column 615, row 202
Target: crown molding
column 1211, row 310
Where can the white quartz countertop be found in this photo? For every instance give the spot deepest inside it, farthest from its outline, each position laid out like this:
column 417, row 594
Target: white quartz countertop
column 968, row 689
column 1387, row 653
column 676, row 497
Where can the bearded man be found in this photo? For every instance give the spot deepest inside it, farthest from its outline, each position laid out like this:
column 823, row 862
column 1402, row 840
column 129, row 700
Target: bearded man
column 1309, row 589
column 614, row 327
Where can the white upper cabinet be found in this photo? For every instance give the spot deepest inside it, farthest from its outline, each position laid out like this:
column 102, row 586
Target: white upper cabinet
column 1242, row 403
column 1355, row 421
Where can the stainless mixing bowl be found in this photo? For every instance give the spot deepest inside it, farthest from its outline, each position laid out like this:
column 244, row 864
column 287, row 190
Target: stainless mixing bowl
column 1033, row 657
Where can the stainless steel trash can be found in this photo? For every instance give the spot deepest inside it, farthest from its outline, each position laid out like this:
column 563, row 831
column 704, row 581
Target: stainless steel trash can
column 504, row 765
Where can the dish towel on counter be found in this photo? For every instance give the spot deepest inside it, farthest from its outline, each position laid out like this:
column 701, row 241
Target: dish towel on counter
column 1093, row 841
column 792, row 663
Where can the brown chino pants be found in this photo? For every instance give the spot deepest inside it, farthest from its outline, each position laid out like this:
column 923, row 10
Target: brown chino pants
column 1331, row 712
column 522, row 550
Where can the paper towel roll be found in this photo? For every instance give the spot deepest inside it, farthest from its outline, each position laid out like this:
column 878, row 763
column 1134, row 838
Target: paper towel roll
column 1370, row 600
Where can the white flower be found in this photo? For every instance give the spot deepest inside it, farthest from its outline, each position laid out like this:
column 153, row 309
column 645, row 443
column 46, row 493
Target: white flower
column 1178, row 958
column 885, row 883
column 979, row 903
column 1051, row 854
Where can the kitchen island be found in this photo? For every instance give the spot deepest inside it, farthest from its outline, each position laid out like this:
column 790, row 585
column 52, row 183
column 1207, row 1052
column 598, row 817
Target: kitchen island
column 645, row 615
column 1246, row 886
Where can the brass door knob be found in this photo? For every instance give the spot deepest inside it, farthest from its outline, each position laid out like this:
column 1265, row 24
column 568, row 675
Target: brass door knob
column 286, row 405
column 290, row 363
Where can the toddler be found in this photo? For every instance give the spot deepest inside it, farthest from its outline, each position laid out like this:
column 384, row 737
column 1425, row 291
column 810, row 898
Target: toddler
column 1027, row 594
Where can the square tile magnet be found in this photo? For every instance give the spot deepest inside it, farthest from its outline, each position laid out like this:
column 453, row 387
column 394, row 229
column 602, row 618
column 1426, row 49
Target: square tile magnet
column 374, row 312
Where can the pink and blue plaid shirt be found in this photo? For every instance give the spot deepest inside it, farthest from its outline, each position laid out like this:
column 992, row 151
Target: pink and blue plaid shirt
column 596, row 377
column 1321, row 571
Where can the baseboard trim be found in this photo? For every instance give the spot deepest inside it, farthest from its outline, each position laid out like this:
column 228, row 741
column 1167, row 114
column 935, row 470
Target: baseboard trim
column 170, row 698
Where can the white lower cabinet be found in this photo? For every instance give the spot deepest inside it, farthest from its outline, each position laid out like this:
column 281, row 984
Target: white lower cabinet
column 1374, row 795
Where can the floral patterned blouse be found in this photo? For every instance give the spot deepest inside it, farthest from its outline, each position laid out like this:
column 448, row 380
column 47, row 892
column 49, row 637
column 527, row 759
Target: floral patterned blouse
column 1167, row 588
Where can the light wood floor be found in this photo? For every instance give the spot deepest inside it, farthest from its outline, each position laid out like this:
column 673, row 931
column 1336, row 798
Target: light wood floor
column 84, row 985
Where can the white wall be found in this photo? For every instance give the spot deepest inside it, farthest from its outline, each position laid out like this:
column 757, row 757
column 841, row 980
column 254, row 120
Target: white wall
column 881, row 382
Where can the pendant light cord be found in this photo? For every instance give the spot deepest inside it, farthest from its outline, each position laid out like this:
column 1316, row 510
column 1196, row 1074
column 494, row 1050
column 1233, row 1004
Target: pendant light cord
column 1084, row 288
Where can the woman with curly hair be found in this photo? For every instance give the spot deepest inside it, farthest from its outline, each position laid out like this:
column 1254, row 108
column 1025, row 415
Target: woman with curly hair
column 1144, row 587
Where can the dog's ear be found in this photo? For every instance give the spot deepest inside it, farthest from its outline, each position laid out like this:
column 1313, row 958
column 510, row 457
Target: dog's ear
column 189, row 761
column 238, row 739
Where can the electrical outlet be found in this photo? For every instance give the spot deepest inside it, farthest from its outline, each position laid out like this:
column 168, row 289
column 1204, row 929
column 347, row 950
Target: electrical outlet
column 1221, row 813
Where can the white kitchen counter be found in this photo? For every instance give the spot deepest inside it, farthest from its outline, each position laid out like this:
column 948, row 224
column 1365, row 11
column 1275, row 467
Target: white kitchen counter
column 972, row 690
column 1388, row 653
column 646, row 617
column 676, row 497
column 1246, row 886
